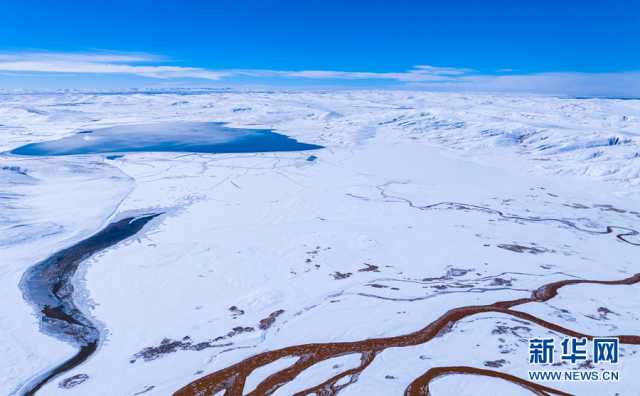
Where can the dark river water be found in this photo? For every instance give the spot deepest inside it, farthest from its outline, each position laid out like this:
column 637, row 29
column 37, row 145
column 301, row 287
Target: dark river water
column 48, row 287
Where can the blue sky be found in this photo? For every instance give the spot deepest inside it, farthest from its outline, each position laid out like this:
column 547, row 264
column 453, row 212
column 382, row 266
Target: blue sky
column 560, row 47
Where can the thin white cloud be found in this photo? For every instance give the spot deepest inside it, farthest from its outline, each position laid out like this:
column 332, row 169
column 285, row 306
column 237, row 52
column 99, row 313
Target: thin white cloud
column 418, row 73
column 98, row 56
column 419, row 77
column 622, row 84
column 100, row 63
column 146, row 65
column 444, row 71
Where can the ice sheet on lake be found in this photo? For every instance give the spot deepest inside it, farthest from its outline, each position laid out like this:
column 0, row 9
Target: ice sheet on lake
column 203, row 137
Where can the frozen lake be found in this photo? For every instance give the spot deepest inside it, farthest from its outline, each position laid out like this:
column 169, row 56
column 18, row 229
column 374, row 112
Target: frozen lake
column 202, row 137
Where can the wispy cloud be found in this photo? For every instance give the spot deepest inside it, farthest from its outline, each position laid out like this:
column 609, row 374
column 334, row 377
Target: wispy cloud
column 418, row 77
column 100, row 63
column 154, row 66
column 418, row 73
column 623, row 84
column 93, row 57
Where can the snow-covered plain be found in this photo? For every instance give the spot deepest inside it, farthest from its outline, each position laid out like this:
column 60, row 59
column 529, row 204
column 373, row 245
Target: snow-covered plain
column 256, row 252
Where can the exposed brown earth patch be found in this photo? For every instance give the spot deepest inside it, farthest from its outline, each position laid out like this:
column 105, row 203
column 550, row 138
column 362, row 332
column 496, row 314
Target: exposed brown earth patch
column 270, row 320
column 522, row 249
column 341, row 275
column 72, row 381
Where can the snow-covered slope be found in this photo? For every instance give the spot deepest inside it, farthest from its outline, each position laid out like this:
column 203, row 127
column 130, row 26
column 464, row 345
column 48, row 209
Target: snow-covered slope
column 418, row 204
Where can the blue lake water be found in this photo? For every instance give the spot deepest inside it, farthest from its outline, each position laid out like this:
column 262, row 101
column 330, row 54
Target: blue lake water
column 202, row 137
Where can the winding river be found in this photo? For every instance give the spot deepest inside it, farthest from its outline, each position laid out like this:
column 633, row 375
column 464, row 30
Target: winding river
column 231, row 380
column 48, row 287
